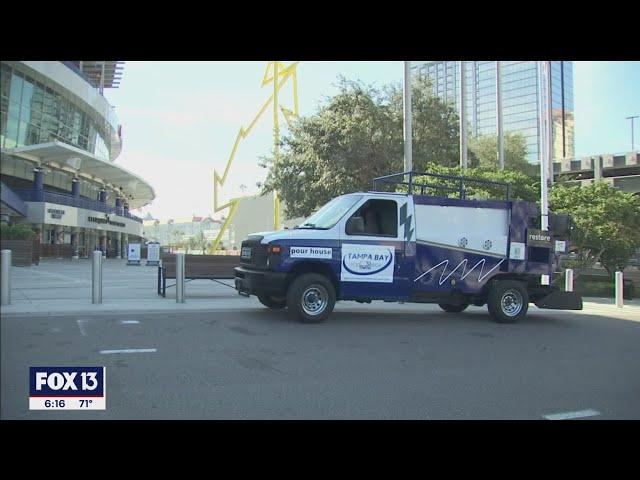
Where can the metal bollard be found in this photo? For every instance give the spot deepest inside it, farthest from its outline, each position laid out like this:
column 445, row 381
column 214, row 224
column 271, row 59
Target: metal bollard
column 179, row 277
column 96, row 277
column 6, row 277
column 568, row 280
column 619, row 290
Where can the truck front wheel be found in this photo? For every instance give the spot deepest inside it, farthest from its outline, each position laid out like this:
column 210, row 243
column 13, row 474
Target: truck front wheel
column 508, row 301
column 272, row 302
column 311, row 298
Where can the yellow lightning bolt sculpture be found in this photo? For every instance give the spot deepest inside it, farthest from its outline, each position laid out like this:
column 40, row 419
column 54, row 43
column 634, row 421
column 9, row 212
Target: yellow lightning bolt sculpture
column 277, row 74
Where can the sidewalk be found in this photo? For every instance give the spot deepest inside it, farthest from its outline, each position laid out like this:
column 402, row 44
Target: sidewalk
column 64, row 286
column 58, row 287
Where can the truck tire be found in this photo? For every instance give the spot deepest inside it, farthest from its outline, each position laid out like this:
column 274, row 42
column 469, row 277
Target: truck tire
column 311, row 298
column 450, row 308
column 508, row 301
column 272, row 302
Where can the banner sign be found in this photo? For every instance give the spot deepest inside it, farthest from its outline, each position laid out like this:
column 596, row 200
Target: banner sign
column 367, row 263
column 153, row 253
column 133, row 254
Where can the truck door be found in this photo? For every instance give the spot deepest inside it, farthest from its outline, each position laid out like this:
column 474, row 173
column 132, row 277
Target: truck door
column 374, row 238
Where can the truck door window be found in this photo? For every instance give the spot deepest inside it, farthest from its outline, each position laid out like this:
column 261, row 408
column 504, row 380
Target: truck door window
column 380, row 218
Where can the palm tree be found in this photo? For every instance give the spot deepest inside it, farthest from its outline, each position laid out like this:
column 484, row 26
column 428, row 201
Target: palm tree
column 192, row 244
column 200, row 241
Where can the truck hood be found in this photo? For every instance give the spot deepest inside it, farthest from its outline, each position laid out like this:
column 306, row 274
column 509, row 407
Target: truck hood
column 298, row 234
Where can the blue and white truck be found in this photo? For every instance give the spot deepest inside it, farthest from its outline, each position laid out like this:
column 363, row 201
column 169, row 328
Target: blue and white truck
column 422, row 242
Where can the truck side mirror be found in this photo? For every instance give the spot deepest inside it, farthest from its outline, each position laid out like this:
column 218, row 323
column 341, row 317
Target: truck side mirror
column 354, row 226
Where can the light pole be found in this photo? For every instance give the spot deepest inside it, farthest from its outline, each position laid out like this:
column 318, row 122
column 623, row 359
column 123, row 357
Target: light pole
column 632, row 143
column 406, row 98
column 499, row 118
column 545, row 143
column 544, row 139
column 463, row 120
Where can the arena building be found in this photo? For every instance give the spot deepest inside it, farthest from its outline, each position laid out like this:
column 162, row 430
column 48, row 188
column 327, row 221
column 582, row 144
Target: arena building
column 59, row 140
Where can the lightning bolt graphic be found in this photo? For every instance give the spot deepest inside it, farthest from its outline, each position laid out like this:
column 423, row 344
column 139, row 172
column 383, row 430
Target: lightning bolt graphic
column 406, row 221
column 462, row 264
column 277, row 74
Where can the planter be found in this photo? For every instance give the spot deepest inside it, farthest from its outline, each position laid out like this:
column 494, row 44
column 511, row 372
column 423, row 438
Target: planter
column 21, row 251
column 61, row 250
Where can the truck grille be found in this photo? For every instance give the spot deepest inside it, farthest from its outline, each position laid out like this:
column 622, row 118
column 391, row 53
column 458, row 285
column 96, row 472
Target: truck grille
column 253, row 253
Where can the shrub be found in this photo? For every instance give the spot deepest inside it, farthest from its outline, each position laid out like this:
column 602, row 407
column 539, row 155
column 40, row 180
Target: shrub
column 16, row 232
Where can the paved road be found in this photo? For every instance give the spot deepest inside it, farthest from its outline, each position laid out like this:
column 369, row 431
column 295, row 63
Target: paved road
column 366, row 362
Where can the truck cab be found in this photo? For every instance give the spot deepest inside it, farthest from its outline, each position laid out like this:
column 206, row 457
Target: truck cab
column 440, row 245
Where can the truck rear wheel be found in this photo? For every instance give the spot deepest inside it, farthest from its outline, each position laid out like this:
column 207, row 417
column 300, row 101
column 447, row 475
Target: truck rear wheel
column 508, row 301
column 311, row 298
column 272, row 302
column 451, row 308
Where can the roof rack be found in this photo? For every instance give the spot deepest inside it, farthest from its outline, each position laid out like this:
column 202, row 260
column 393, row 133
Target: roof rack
column 443, row 186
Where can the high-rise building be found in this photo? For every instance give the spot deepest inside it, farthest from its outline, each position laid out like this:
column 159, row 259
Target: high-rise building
column 520, row 94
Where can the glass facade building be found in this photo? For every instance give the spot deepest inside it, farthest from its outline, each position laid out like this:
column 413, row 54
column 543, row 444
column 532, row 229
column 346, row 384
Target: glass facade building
column 34, row 113
column 520, row 94
column 59, row 139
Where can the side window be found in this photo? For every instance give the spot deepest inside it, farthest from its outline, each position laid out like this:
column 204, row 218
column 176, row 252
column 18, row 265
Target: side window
column 375, row 217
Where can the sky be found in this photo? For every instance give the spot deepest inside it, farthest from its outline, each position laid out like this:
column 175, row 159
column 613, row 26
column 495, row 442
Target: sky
column 180, row 119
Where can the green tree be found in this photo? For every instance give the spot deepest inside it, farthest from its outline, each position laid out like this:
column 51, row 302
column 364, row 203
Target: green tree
column 200, row 241
column 176, row 238
column 356, row 136
column 435, row 126
column 521, row 186
column 485, row 150
column 607, row 221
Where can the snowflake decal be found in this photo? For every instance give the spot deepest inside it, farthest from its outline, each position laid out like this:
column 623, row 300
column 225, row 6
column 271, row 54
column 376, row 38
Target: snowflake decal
column 487, row 245
column 463, row 242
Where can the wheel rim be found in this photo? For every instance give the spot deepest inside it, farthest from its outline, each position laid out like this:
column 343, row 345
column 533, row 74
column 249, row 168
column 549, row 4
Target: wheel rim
column 511, row 302
column 314, row 300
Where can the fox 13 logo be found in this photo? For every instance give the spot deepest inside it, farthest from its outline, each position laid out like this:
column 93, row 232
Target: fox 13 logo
column 67, row 388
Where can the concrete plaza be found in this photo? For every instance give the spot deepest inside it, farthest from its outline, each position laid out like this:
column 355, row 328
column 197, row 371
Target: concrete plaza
column 64, row 286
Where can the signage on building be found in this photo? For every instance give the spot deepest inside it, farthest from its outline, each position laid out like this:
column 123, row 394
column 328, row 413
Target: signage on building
column 105, row 220
column 55, row 213
column 52, row 214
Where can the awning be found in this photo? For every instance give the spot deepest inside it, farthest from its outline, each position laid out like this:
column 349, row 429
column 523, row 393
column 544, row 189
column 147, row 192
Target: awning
column 84, row 164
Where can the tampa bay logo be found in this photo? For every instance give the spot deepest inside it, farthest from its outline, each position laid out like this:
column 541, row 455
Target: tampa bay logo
column 363, row 263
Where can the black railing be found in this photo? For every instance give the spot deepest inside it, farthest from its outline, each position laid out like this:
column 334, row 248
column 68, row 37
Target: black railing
column 33, row 195
column 442, row 185
column 80, row 73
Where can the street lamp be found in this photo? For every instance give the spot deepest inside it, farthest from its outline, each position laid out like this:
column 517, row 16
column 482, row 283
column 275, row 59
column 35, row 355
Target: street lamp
column 632, row 118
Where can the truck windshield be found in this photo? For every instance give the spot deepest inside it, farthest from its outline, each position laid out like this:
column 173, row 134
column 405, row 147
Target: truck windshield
column 333, row 211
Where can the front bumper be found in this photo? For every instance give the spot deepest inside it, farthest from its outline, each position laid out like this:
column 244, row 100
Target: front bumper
column 560, row 301
column 260, row 282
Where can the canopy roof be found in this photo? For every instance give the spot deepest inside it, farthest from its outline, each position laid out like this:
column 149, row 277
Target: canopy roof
column 84, row 164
